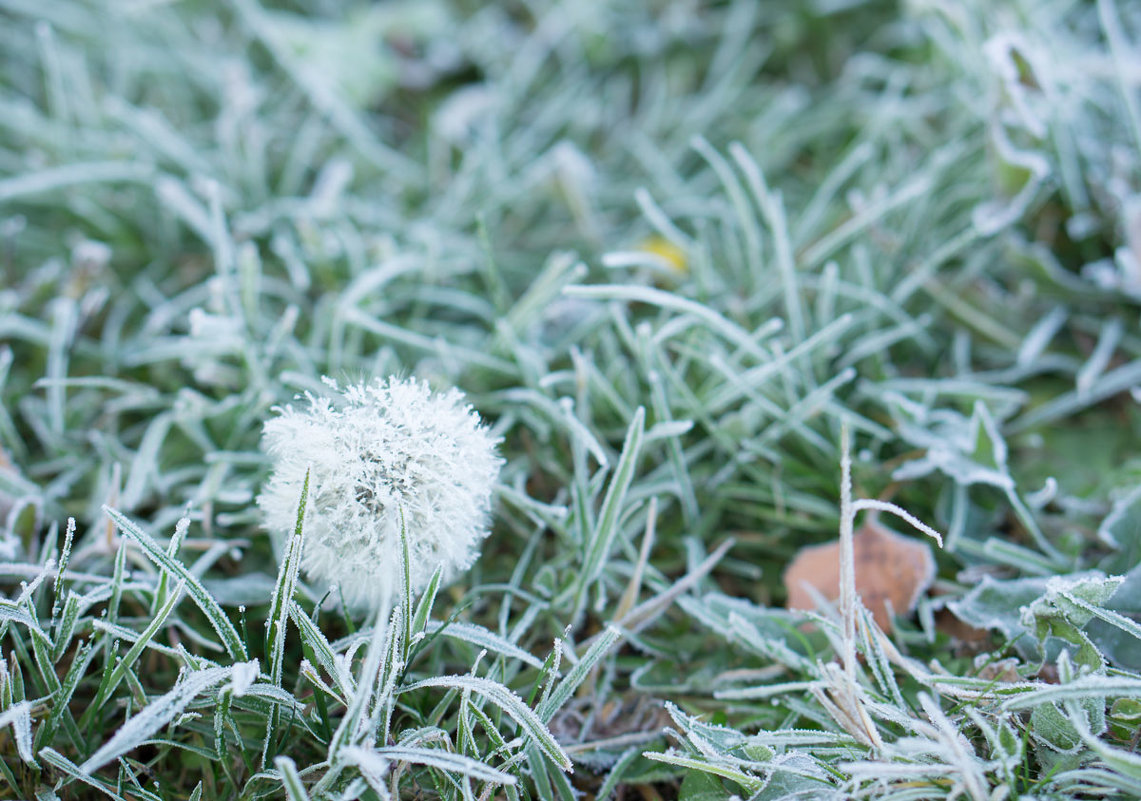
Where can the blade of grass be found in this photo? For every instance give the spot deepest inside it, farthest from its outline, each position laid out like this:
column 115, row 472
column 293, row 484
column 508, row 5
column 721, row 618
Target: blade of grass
column 201, row 596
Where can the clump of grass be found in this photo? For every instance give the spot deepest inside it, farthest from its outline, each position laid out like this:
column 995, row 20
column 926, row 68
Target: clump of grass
column 670, row 253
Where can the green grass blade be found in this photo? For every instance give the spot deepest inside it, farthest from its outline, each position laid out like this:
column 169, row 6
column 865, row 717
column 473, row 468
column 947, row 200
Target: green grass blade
column 284, row 589
column 290, row 779
column 446, row 761
column 194, row 588
column 144, row 639
column 605, row 533
column 149, row 720
column 577, row 675
column 510, row 703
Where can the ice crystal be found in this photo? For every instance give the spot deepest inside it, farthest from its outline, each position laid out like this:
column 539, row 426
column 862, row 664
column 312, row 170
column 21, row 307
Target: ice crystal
column 380, row 455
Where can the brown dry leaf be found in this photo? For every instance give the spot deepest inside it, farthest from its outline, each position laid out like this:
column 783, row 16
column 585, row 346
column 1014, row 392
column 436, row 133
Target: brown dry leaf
column 1005, row 670
column 889, row 566
column 965, row 637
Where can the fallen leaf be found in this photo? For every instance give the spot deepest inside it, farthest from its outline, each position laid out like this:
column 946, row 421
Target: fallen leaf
column 889, row 568
column 1004, row 670
column 965, row 638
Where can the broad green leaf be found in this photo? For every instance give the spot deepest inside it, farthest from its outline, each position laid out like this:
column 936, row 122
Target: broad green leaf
column 1122, row 529
column 750, row 784
column 701, row 786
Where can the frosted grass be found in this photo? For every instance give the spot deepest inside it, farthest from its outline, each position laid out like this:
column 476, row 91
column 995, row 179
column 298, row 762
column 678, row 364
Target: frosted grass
column 916, row 229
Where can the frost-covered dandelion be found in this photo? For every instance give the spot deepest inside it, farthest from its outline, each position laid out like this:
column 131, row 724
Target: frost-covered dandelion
column 380, row 453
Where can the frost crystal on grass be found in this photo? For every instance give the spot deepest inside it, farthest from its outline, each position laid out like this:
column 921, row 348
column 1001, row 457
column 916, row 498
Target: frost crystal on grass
column 376, row 452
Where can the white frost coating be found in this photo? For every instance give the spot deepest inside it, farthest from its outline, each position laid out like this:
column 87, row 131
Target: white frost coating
column 19, row 716
column 377, row 451
column 1121, row 510
column 148, row 720
column 243, row 677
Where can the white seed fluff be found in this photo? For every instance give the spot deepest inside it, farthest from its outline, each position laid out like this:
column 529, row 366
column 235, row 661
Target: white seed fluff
column 376, row 451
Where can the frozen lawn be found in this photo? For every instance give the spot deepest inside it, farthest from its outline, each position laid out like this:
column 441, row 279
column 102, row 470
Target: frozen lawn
column 677, row 255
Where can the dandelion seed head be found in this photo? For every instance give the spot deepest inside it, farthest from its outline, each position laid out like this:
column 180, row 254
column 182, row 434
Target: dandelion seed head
column 377, row 452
